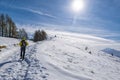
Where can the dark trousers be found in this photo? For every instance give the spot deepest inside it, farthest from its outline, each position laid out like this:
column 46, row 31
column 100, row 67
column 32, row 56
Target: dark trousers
column 22, row 54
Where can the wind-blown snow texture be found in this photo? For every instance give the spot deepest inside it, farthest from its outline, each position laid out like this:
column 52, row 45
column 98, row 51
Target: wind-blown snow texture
column 64, row 57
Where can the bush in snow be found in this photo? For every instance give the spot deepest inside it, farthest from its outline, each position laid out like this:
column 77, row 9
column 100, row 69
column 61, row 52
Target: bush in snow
column 90, row 52
column 92, row 72
column 86, row 48
column 2, row 47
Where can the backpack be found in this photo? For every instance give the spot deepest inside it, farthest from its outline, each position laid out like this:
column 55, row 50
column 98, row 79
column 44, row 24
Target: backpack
column 23, row 43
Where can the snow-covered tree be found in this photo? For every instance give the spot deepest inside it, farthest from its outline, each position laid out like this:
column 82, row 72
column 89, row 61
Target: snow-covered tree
column 22, row 34
column 40, row 35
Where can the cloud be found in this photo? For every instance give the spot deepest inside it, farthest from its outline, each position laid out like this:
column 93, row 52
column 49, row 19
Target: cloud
column 82, row 30
column 27, row 9
column 39, row 12
column 34, row 11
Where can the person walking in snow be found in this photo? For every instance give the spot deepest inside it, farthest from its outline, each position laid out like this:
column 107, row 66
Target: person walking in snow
column 23, row 43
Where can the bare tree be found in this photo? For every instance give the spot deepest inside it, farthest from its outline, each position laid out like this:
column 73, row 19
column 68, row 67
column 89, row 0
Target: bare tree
column 2, row 23
column 14, row 30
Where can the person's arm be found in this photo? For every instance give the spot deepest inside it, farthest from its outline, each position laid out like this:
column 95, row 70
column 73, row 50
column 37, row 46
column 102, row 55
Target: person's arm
column 20, row 43
column 27, row 43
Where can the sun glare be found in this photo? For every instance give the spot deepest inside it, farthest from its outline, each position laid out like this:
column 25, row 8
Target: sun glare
column 77, row 5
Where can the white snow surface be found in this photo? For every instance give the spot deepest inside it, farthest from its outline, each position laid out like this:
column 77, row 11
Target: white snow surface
column 63, row 57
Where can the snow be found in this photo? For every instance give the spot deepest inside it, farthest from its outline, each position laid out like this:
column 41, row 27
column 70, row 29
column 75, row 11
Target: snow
column 7, row 41
column 61, row 58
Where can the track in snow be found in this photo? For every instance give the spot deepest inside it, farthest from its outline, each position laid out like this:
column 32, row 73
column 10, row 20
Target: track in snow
column 28, row 69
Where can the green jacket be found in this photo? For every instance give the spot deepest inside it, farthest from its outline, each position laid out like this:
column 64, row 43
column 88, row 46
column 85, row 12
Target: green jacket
column 25, row 42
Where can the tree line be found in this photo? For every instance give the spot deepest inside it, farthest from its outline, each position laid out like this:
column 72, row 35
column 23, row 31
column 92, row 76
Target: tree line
column 9, row 29
column 7, row 26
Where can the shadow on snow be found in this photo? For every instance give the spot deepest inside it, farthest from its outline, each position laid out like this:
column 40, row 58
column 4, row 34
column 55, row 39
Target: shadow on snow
column 7, row 62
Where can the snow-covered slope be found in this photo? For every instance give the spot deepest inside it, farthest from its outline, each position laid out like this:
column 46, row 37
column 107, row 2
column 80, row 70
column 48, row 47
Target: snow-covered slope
column 67, row 56
column 7, row 41
column 10, row 44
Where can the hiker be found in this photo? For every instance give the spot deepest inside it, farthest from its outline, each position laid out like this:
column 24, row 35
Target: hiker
column 23, row 43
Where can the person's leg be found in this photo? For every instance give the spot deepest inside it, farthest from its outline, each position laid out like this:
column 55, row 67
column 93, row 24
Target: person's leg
column 23, row 53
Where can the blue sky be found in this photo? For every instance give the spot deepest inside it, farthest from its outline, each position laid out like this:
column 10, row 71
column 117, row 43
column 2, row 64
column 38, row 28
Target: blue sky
column 99, row 17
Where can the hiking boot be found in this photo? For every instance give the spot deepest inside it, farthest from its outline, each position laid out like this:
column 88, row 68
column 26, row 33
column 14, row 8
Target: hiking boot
column 20, row 57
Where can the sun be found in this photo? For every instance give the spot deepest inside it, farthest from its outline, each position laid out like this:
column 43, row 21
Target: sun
column 77, row 5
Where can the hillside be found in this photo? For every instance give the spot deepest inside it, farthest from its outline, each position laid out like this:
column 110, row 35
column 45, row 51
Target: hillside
column 68, row 56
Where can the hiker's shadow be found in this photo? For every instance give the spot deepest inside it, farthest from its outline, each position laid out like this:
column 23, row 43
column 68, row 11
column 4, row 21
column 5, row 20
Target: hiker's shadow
column 8, row 62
